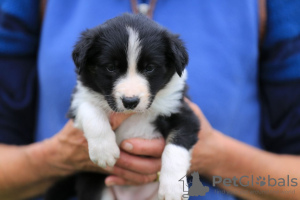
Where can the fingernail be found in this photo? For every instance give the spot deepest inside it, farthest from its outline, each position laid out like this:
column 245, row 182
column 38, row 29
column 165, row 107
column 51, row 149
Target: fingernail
column 110, row 184
column 127, row 146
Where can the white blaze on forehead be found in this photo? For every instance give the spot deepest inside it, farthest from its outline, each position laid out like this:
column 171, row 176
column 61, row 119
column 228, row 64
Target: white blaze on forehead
column 132, row 83
column 133, row 50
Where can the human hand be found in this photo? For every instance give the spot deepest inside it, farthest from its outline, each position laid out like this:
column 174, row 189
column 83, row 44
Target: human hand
column 67, row 151
column 205, row 153
column 139, row 162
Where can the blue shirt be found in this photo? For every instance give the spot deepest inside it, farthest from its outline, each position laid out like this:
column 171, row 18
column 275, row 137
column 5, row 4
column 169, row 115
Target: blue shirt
column 280, row 78
column 222, row 39
column 19, row 35
column 222, row 42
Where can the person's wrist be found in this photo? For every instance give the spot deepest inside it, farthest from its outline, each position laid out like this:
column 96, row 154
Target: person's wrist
column 218, row 153
column 56, row 162
column 45, row 158
column 208, row 154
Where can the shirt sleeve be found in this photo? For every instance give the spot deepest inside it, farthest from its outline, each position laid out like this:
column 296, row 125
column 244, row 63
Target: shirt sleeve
column 280, row 78
column 19, row 34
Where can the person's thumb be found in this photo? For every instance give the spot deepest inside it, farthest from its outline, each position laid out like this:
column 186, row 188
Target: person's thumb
column 116, row 119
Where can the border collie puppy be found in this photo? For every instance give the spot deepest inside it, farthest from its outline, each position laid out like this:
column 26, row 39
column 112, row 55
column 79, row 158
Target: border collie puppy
column 130, row 64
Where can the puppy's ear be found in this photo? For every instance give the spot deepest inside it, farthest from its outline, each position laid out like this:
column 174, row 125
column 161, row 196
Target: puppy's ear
column 177, row 53
column 81, row 50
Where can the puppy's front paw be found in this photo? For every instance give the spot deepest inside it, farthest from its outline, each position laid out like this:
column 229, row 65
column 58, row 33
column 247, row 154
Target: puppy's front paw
column 170, row 189
column 103, row 152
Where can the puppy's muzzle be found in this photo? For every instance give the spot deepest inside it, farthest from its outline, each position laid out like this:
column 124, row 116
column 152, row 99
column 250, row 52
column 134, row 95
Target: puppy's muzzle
column 130, row 102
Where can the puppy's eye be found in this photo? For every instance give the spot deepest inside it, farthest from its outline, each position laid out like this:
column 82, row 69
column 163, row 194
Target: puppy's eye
column 150, row 68
column 111, row 68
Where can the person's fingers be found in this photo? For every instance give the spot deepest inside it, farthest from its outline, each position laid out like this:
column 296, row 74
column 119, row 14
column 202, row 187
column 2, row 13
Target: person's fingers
column 142, row 165
column 195, row 108
column 70, row 131
column 125, row 176
column 115, row 180
column 69, row 125
column 144, row 147
column 116, row 119
column 89, row 166
column 133, row 177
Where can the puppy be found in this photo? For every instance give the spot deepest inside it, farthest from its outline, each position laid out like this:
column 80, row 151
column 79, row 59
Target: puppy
column 130, row 64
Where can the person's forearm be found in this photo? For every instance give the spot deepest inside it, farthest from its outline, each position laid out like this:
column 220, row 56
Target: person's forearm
column 24, row 171
column 237, row 159
column 229, row 164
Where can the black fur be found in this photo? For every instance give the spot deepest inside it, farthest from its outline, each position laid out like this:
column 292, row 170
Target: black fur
column 62, row 189
column 89, row 186
column 104, row 46
column 84, row 185
column 181, row 127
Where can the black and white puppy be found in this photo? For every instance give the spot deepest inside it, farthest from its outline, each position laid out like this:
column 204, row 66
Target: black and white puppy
column 132, row 64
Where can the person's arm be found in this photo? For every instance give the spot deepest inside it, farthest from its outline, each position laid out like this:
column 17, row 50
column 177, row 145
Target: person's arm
column 29, row 170
column 216, row 154
column 20, row 175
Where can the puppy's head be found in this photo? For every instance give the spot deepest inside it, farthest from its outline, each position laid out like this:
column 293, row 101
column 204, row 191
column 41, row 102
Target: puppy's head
column 128, row 59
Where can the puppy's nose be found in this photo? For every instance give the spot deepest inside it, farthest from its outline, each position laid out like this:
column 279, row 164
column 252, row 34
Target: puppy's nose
column 130, row 102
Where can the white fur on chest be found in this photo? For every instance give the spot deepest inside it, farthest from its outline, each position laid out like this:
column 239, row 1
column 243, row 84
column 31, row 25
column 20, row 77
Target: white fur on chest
column 138, row 125
column 92, row 116
column 141, row 125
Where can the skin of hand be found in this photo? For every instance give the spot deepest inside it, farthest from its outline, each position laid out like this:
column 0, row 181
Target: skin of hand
column 202, row 158
column 132, row 148
column 139, row 162
column 206, row 144
column 216, row 154
column 132, row 168
column 213, row 154
column 43, row 163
